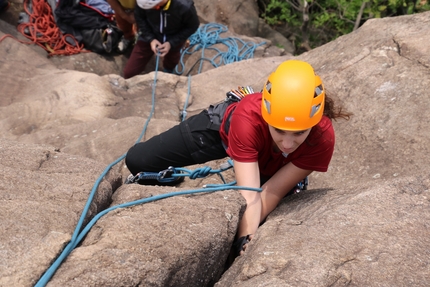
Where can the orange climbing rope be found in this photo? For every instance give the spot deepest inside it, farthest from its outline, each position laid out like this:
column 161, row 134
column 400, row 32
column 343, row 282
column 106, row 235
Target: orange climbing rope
column 43, row 31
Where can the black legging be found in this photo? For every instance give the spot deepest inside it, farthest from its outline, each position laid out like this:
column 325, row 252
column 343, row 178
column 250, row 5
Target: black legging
column 188, row 143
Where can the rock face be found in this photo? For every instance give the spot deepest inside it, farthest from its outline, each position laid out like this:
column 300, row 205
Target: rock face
column 363, row 223
column 180, row 241
column 42, row 195
column 366, row 235
column 387, row 137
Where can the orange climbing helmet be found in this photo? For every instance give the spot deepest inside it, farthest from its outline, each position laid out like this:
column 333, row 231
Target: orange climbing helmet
column 293, row 97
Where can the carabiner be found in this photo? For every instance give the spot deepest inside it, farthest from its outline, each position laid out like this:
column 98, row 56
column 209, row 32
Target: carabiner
column 166, row 175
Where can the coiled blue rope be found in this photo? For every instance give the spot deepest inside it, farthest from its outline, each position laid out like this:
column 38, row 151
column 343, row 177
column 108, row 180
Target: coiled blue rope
column 208, row 35
column 205, row 37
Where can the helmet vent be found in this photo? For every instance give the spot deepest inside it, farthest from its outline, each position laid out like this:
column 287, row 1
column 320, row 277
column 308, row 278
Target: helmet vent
column 267, row 104
column 318, row 91
column 315, row 109
column 269, row 87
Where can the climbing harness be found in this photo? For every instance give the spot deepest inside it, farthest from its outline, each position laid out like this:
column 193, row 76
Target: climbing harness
column 216, row 112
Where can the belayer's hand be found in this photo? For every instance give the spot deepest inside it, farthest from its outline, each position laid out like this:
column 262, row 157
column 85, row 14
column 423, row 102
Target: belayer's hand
column 155, row 46
column 164, row 49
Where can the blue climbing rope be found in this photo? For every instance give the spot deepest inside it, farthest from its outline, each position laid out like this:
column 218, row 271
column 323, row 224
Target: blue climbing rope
column 183, row 114
column 79, row 232
column 76, row 233
column 206, row 37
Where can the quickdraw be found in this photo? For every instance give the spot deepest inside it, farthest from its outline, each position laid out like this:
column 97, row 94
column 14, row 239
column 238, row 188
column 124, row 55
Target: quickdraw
column 167, row 175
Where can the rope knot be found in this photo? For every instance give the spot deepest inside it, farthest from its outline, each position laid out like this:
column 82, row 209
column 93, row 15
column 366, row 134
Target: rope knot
column 200, row 172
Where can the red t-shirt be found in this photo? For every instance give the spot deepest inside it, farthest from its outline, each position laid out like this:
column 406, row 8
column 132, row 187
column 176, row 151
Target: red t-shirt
column 249, row 140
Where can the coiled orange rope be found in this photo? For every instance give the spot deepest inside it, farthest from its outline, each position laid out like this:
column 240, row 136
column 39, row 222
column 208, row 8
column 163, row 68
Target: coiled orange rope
column 43, row 31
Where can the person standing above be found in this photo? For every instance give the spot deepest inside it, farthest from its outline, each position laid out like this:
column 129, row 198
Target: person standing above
column 164, row 26
column 124, row 15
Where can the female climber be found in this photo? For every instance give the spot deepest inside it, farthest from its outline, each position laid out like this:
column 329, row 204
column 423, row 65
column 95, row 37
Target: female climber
column 275, row 138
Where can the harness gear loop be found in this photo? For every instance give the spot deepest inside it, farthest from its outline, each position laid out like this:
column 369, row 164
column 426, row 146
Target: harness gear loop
column 216, row 112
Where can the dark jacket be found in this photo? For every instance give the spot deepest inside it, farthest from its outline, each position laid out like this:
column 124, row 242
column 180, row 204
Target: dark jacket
column 175, row 25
